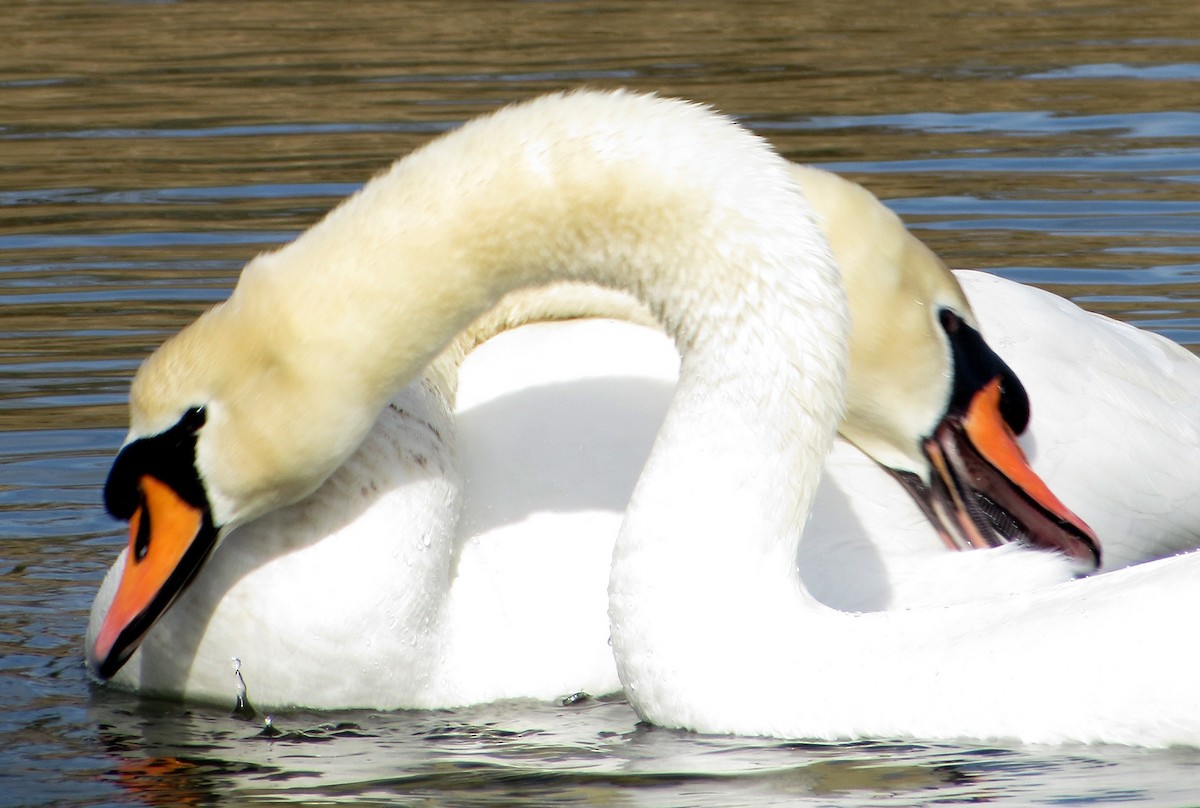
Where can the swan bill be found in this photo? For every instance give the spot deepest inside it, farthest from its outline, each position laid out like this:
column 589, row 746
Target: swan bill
column 154, row 485
column 983, row 493
column 169, row 539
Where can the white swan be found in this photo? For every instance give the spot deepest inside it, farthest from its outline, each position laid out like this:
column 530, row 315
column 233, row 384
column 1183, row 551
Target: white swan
column 597, row 187
column 1115, row 429
column 524, row 612
column 258, row 402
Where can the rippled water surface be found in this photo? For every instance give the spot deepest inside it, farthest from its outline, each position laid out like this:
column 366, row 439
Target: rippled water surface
column 148, row 149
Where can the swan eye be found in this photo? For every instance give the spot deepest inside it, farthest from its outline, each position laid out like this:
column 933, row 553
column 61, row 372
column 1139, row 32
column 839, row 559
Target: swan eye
column 193, row 419
column 950, row 321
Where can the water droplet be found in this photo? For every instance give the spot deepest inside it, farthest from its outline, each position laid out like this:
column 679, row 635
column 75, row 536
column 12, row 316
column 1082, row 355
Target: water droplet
column 241, row 707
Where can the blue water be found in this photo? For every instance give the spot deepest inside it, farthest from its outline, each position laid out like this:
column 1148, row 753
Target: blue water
column 147, row 150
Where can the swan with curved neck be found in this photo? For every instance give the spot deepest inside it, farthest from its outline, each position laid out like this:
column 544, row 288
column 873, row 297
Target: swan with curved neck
column 260, row 400
column 600, row 190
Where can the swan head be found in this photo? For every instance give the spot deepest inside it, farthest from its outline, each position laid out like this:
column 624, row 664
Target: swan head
column 223, row 429
column 927, row 398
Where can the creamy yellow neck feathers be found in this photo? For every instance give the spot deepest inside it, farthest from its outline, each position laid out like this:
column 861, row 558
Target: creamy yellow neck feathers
column 693, row 214
column 899, row 375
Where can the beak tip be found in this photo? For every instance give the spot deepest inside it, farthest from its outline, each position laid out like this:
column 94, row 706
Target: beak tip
column 103, row 669
column 95, row 666
column 105, row 655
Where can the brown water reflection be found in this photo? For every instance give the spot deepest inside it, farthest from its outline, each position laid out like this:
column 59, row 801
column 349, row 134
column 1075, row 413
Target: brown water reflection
column 98, row 67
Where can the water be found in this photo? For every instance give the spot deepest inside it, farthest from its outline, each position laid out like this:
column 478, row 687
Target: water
column 147, row 149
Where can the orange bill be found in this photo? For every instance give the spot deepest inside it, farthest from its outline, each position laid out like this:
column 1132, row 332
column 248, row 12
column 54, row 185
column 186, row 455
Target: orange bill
column 997, row 444
column 168, row 539
column 984, row 479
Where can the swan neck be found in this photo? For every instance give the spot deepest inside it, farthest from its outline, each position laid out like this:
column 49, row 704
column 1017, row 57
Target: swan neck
column 693, row 215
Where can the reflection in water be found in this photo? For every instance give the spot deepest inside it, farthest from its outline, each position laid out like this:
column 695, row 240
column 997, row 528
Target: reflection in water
column 521, row 752
column 475, row 757
column 151, row 148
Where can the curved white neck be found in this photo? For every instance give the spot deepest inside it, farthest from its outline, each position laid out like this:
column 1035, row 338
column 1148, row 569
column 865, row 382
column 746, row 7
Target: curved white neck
column 705, row 563
column 693, row 215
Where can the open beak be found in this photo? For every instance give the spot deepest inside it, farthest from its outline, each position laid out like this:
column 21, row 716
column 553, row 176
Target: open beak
column 983, row 492
column 169, row 539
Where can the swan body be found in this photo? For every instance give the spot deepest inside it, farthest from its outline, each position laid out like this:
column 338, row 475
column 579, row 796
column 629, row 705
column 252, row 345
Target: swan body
column 441, row 565
column 603, row 188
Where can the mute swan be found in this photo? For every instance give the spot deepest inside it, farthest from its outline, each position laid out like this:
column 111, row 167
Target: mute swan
column 1128, row 459
column 599, row 187
column 507, row 625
